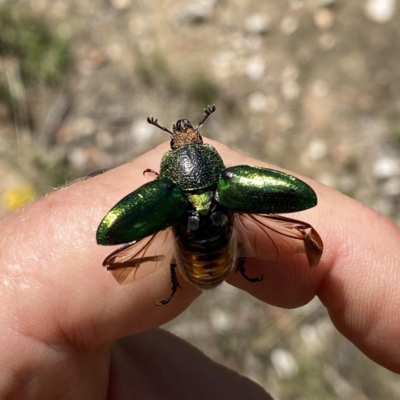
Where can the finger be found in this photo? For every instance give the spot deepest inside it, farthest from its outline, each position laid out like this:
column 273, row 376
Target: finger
column 156, row 364
column 352, row 279
column 53, row 284
column 357, row 278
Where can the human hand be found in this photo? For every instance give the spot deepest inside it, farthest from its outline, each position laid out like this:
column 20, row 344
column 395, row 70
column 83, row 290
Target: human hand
column 61, row 312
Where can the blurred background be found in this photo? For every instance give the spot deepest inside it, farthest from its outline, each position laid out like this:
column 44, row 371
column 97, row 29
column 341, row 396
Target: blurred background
column 309, row 85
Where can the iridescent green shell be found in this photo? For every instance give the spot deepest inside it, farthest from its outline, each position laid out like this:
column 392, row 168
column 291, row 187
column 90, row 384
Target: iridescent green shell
column 149, row 209
column 248, row 189
column 192, row 167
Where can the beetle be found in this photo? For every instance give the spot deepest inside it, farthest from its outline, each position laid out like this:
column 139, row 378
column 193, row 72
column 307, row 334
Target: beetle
column 205, row 218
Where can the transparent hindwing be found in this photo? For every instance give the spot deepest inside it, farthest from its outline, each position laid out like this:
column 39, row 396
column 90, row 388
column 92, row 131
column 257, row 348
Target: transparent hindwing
column 275, row 237
column 152, row 252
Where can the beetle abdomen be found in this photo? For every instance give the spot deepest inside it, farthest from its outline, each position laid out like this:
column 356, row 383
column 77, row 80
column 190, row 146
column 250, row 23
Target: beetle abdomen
column 206, row 262
column 205, row 246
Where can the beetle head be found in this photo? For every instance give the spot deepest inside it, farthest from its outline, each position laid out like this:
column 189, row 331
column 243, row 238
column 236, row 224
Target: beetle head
column 184, row 133
column 182, row 125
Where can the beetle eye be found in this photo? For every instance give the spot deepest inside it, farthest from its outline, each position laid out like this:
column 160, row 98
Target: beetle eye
column 182, row 124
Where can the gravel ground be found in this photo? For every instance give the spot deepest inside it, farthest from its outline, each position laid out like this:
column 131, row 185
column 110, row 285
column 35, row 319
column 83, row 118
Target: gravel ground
column 309, row 85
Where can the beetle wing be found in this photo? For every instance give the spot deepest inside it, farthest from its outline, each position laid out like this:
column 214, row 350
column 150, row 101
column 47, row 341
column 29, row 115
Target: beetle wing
column 151, row 208
column 155, row 251
column 256, row 190
column 274, row 237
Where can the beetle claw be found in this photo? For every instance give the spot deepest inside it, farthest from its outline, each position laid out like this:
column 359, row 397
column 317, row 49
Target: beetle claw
column 207, row 112
column 175, row 286
column 150, row 170
column 242, row 270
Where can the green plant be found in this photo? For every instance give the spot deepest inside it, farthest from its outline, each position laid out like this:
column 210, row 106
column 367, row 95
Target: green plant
column 42, row 55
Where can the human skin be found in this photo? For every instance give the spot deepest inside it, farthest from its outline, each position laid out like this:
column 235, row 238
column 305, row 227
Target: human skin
column 63, row 317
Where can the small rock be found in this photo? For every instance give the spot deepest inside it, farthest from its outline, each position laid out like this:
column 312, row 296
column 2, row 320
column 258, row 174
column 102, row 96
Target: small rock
column 257, row 102
column 324, row 18
column 193, row 13
column 255, row 68
column 311, row 339
column 78, row 158
column 221, row 320
column 142, row 131
column 84, row 126
column 289, row 25
column 380, row 10
column 385, row 168
column 121, row 4
column 284, row 363
column 257, row 24
column 317, row 150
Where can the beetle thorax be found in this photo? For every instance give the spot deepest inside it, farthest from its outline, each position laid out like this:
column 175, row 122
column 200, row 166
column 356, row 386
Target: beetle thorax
column 194, row 168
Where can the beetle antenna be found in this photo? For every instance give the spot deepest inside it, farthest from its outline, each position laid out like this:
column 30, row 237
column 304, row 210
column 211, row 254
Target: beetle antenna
column 153, row 121
column 207, row 112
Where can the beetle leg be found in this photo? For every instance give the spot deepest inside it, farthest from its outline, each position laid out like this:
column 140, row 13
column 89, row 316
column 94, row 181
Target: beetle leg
column 175, row 286
column 150, row 170
column 240, row 267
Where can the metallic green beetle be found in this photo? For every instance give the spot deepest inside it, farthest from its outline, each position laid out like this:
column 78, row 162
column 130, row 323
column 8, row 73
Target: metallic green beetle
column 216, row 216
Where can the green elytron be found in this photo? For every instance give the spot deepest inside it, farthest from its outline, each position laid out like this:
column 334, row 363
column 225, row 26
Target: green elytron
column 217, row 216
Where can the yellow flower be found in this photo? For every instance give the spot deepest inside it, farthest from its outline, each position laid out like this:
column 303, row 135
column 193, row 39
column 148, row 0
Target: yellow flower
column 17, row 196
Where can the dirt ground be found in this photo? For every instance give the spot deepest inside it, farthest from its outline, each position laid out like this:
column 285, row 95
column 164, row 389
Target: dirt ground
column 309, row 85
